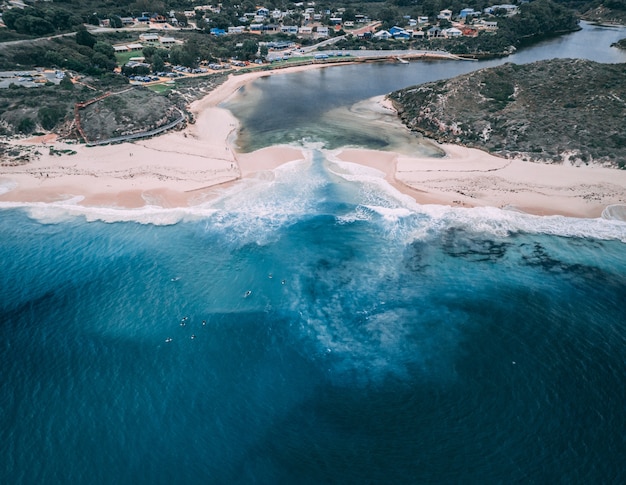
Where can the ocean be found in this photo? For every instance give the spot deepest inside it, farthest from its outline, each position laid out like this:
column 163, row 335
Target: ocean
column 310, row 325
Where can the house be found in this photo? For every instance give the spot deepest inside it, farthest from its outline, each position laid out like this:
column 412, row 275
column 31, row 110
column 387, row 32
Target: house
column 322, row 31
column 405, row 34
column 348, row 24
column 128, row 21
column 167, row 41
column 508, row 9
column 412, row 22
column 362, row 19
column 262, row 12
column 217, row 32
column 148, row 37
column 452, row 32
column 289, row 29
column 399, row 33
column 305, row 30
column 382, row 35
column 134, row 47
column 256, row 27
column 468, row 12
column 121, row 48
column 336, row 21
column 445, row 15
column 419, row 34
column 433, row 32
column 240, row 29
column 422, row 20
column 487, row 25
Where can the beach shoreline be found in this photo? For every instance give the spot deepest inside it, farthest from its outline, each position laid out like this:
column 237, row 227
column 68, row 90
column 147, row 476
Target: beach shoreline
column 183, row 168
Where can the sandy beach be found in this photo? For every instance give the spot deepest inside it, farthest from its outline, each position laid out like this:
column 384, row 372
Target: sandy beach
column 182, row 168
column 468, row 177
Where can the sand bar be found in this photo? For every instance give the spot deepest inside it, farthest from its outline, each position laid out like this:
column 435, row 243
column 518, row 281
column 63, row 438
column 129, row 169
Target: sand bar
column 179, row 169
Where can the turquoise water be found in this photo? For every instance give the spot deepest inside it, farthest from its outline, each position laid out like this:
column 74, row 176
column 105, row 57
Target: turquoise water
column 311, row 325
column 343, row 334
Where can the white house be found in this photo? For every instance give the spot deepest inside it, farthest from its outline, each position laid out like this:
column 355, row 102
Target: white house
column 382, row 35
column 452, row 32
column 322, row 31
column 149, row 37
column 167, row 41
column 445, row 14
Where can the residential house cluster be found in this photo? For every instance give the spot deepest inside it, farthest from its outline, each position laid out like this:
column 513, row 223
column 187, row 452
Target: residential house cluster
column 467, row 23
column 145, row 40
column 314, row 23
column 318, row 23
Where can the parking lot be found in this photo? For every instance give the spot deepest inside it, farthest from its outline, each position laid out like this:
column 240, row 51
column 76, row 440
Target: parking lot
column 29, row 79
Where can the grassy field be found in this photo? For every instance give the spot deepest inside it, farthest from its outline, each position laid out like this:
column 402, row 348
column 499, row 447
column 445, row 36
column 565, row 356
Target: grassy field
column 123, row 57
column 161, row 88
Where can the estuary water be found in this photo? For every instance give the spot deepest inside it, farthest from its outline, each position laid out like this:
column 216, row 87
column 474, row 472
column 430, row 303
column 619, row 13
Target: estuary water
column 312, row 326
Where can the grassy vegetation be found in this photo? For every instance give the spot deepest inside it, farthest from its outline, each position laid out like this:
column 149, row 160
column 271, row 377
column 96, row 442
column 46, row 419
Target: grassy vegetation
column 123, row 57
column 161, row 88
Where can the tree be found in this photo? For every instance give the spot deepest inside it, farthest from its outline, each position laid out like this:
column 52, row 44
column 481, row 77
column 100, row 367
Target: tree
column 181, row 18
column 66, row 82
column 103, row 62
column 85, row 38
column 105, row 49
column 49, row 116
column 31, row 25
column 115, row 22
column 248, row 50
column 148, row 52
column 157, row 63
column 263, row 50
column 26, row 125
column 93, row 20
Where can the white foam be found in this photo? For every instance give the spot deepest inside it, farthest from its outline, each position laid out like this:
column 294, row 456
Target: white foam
column 615, row 212
column 501, row 223
column 66, row 210
column 6, row 186
column 254, row 208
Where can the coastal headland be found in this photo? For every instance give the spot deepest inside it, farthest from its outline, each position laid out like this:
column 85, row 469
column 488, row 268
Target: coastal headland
column 183, row 168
